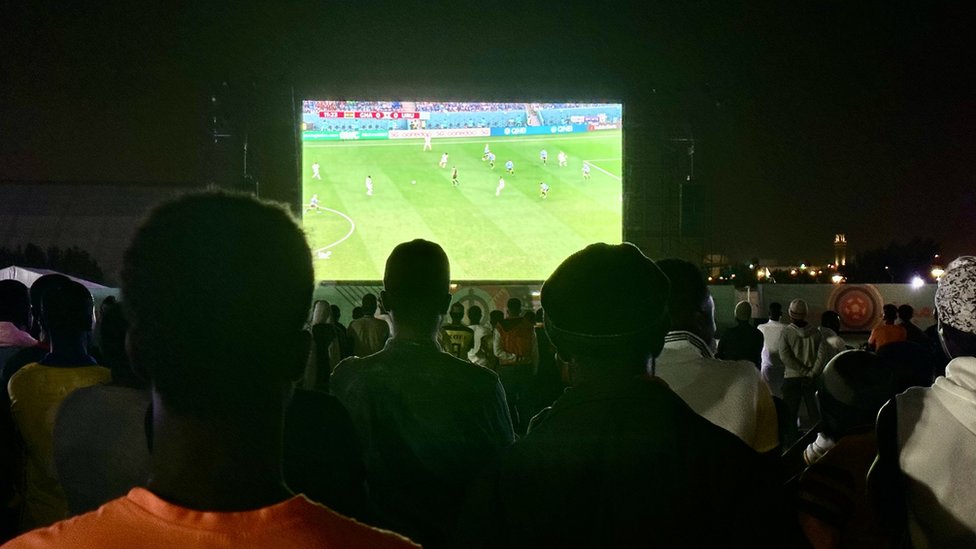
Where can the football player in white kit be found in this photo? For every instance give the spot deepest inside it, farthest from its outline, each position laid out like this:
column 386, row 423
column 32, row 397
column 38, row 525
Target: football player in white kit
column 369, row 186
column 427, row 146
column 501, row 185
column 543, row 189
column 586, row 171
column 487, row 151
column 443, row 162
column 315, row 171
column 313, row 204
column 562, row 158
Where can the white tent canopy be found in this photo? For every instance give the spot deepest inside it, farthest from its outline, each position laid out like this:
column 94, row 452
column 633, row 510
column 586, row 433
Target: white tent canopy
column 28, row 275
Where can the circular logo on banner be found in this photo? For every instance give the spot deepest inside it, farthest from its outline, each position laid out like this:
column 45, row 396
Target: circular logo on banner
column 858, row 306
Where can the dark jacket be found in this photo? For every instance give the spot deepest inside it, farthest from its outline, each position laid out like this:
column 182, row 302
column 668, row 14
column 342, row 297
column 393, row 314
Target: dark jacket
column 741, row 342
column 619, row 466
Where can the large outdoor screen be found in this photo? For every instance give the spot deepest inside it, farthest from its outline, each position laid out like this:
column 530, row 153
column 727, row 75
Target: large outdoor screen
column 508, row 189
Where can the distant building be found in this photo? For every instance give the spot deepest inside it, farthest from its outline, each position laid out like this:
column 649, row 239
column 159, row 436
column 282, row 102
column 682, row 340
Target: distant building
column 840, row 249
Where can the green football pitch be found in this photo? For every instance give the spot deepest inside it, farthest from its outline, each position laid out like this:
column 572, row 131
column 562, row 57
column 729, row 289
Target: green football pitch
column 514, row 235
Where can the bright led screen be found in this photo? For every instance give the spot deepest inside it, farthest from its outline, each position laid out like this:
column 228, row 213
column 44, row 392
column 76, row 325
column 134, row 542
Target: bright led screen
column 508, row 189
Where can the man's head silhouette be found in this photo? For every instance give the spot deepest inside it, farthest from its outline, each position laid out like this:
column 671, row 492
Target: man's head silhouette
column 199, row 273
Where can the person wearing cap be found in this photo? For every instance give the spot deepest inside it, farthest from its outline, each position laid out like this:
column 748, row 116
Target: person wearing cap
column 619, row 459
column 772, row 363
column 742, row 341
column 926, row 438
column 730, row 394
column 428, row 421
column 804, row 354
column 887, row 332
column 832, row 503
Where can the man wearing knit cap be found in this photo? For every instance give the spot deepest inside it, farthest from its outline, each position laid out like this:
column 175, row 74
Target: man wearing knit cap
column 428, row 422
column 730, row 394
column 618, row 459
column 926, row 436
column 742, row 341
column 804, row 354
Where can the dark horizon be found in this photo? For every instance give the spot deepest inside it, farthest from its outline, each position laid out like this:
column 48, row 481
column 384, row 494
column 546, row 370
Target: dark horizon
column 826, row 119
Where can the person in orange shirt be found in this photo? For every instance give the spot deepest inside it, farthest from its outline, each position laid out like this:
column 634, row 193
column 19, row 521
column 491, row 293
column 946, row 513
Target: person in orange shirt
column 887, row 332
column 195, row 279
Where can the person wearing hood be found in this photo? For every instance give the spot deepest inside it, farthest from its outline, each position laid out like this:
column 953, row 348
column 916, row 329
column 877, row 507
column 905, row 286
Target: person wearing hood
column 804, row 354
column 923, row 474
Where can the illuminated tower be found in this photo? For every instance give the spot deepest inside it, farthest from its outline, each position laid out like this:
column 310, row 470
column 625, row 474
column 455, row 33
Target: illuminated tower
column 840, row 249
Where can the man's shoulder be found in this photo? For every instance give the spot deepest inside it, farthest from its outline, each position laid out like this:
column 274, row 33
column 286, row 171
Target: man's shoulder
column 457, row 328
column 390, row 358
column 334, row 529
column 736, row 369
column 348, row 367
column 123, row 523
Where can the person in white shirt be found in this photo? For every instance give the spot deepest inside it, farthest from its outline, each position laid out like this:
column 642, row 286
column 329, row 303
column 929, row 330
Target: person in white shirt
column 926, row 443
column 730, row 394
column 562, row 158
column 443, row 162
column 427, row 145
column 315, row 171
column 477, row 354
column 501, row 185
column 369, row 186
column 772, row 363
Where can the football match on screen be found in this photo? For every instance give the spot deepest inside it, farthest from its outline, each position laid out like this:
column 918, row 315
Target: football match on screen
column 508, row 189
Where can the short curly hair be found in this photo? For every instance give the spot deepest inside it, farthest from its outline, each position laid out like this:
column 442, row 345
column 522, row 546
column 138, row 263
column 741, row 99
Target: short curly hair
column 212, row 284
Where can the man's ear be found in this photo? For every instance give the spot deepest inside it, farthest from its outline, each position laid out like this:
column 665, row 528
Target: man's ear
column 298, row 348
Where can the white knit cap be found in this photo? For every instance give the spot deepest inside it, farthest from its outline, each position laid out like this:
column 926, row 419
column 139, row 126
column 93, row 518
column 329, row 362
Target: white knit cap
column 798, row 309
column 956, row 297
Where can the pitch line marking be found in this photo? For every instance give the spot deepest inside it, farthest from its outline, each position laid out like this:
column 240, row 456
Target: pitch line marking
column 617, row 177
column 352, row 228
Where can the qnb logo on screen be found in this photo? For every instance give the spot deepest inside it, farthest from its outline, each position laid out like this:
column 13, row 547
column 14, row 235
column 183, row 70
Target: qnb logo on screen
column 561, row 129
column 376, row 173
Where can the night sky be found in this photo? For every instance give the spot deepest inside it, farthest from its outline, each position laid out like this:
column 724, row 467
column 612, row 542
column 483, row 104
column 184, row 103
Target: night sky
column 822, row 118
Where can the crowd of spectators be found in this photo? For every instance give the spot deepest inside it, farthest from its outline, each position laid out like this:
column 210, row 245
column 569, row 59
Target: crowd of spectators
column 185, row 415
column 462, row 106
column 309, row 107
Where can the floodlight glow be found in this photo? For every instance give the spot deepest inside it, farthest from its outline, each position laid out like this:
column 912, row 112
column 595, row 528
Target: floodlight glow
column 917, row 282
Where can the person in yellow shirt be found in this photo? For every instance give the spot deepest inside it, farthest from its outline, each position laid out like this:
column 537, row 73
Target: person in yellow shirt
column 36, row 392
column 193, row 283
